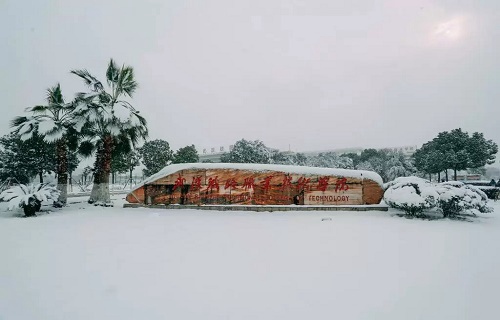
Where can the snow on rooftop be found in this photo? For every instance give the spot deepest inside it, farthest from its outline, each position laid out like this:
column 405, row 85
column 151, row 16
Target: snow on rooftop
column 264, row 167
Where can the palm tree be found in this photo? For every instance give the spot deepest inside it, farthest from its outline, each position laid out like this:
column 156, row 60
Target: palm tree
column 56, row 124
column 109, row 121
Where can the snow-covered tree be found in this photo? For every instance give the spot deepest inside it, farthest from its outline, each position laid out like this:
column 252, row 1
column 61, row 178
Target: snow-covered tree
column 56, row 123
column 188, row 154
column 246, row 151
column 397, row 165
column 24, row 159
column 288, row 158
column 107, row 119
column 388, row 164
column 156, row 154
column 330, row 160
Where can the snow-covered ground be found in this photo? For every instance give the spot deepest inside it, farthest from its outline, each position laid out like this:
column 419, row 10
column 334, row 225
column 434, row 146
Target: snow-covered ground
column 113, row 263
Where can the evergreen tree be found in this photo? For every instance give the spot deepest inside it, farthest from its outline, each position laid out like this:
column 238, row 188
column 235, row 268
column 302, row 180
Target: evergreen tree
column 245, row 151
column 187, row 154
column 156, row 154
column 25, row 159
column 455, row 150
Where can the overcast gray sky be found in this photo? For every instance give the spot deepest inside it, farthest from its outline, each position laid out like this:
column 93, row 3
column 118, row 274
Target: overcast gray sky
column 315, row 74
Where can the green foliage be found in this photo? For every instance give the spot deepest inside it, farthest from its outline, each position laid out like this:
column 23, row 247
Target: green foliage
column 156, row 154
column 23, row 160
column 455, row 150
column 188, row 154
column 246, row 151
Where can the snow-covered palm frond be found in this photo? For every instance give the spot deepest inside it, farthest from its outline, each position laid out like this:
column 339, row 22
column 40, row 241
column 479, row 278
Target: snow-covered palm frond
column 113, row 128
column 24, row 127
column 20, row 195
column 46, row 125
column 94, row 84
column 122, row 112
column 38, row 109
column 55, row 135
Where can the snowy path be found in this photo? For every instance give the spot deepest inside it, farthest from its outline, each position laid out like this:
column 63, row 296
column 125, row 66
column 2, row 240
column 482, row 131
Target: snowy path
column 114, row 263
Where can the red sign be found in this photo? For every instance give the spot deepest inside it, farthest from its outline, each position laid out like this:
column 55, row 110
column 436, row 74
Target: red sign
column 248, row 183
column 323, row 183
column 179, row 183
column 266, row 184
column 230, row 184
column 287, row 182
column 213, row 183
column 341, row 185
column 303, row 183
column 196, row 184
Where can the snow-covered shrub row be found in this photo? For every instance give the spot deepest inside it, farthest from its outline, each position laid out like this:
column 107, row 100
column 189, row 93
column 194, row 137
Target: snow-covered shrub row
column 411, row 194
column 414, row 195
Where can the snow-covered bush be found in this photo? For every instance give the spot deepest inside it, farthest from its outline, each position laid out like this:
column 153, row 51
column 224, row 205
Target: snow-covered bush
column 411, row 194
column 414, row 195
column 30, row 197
column 456, row 198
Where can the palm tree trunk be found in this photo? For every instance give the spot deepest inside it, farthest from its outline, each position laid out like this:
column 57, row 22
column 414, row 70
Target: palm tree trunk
column 100, row 189
column 62, row 171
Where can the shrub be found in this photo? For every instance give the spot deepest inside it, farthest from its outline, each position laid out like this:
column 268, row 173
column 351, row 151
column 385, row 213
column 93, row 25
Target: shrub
column 491, row 192
column 411, row 194
column 456, row 198
column 29, row 197
column 414, row 195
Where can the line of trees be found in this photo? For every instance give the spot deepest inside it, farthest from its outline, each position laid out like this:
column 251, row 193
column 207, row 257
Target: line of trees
column 387, row 163
column 455, row 150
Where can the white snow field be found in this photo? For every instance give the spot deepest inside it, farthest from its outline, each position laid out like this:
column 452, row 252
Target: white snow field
column 84, row 262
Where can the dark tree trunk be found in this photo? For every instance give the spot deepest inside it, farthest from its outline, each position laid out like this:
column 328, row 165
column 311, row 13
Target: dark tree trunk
column 100, row 189
column 455, row 174
column 439, row 176
column 446, row 174
column 40, row 176
column 430, row 177
column 62, row 171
